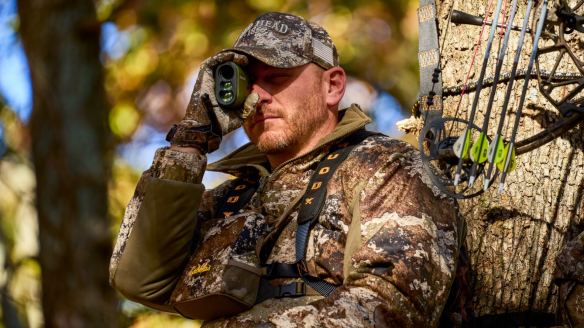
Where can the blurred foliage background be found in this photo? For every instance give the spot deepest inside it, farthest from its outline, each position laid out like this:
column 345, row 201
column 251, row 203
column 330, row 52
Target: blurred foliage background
column 150, row 53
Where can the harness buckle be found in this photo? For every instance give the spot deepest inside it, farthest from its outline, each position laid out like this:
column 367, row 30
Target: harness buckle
column 295, row 289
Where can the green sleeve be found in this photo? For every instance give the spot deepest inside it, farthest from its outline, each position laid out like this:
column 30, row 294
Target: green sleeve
column 156, row 233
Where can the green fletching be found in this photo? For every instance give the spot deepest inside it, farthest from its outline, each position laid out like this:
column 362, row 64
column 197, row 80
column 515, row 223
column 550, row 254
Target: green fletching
column 512, row 163
column 479, row 150
column 495, row 150
column 500, row 152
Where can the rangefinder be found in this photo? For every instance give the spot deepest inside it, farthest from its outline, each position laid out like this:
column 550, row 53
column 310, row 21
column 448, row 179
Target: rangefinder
column 232, row 85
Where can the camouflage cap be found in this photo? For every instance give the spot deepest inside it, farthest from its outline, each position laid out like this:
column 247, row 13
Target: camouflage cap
column 287, row 41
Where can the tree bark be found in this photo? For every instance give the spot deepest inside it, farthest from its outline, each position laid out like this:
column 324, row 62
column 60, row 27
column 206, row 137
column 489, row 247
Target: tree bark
column 514, row 238
column 71, row 152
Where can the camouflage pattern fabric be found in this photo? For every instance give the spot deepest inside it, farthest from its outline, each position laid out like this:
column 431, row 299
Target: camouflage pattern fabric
column 401, row 274
column 286, row 41
column 189, row 132
column 570, row 277
column 211, row 268
column 386, row 233
column 458, row 311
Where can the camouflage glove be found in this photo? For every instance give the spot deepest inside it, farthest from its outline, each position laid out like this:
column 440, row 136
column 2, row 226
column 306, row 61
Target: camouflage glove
column 205, row 123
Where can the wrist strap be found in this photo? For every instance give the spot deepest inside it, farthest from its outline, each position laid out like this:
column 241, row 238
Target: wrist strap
column 199, row 136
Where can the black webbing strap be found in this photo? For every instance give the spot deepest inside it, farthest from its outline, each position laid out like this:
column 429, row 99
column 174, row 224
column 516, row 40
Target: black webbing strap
column 429, row 58
column 517, row 319
column 236, row 199
column 313, row 200
column 279, row 270
column 267, row 291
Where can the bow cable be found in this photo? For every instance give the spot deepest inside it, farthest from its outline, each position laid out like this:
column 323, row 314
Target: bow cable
column 510, row 148
column 470, row 68
column 461, row 146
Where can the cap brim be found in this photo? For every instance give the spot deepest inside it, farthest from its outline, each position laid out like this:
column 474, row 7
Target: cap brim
column 273, row 57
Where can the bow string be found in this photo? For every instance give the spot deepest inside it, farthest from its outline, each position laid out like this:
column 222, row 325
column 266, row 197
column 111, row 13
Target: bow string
column 452, row 163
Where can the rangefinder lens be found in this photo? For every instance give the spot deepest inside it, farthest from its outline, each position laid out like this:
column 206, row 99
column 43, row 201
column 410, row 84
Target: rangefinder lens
column 226, row 96
column 227, row 85
column 226, row 72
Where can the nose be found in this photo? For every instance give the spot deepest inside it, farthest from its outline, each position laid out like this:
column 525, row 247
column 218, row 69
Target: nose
column 265, row 96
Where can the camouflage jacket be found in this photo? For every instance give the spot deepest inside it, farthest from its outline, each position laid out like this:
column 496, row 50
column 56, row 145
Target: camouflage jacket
column 386, row 233
column 570, row 278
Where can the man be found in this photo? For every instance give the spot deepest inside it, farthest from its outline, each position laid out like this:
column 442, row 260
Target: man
column 386, row 236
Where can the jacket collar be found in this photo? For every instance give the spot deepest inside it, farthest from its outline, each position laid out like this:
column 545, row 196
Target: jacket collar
column 350, row 120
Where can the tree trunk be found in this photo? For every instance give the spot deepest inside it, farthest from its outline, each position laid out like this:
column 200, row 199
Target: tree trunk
column 71, row 153
column 514, row 238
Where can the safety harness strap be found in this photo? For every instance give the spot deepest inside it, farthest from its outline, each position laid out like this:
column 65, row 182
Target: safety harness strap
column 279, row 270
column 313, row 201
column 311, row 205
column 236, row 199
column 296, row 289
column 429, row 58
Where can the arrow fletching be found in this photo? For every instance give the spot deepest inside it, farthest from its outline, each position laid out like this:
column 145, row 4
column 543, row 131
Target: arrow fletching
column 462, row 145
column 479, row 149
column 495, row 152
column 512, row 161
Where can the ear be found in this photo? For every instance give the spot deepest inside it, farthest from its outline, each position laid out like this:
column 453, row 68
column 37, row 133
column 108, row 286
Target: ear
column 336, row 80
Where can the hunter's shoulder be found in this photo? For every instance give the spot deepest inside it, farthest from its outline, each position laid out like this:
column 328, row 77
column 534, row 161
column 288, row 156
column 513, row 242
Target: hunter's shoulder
column 377, row 143
column 378, row 149
column 385, row 156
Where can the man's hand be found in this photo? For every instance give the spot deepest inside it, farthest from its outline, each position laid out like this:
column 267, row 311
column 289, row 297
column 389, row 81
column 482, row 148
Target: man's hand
column 205, row 123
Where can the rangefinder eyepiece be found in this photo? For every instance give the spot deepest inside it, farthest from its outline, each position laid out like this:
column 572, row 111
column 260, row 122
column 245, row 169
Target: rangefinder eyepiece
column 232, row 85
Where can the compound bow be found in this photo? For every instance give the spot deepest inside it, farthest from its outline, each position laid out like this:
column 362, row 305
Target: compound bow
column 463, row 170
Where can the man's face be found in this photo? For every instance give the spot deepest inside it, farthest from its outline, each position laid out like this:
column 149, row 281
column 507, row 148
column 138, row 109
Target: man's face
column 291, row 108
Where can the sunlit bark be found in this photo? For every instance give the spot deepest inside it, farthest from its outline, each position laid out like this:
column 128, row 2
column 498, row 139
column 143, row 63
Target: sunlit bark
column 514, row 238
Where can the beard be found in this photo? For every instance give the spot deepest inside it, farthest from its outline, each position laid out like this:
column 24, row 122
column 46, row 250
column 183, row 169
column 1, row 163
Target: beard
column 302, row 122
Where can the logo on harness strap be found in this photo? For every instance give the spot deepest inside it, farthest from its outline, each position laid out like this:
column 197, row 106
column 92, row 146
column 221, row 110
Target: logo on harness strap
column 227, row 213
column 333, row 156
column 301, row 267
column 425, row 13
column 428, row 58
column 240, row 187
column 324, row 170
column 309, row 200
column 316, row 185
column 233, row 199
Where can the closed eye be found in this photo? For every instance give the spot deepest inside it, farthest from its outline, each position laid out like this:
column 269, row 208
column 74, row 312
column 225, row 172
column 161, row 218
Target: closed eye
column 278, row 76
